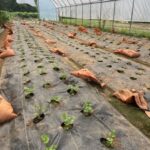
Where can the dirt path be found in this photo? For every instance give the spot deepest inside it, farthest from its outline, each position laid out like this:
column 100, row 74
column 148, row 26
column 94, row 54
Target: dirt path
column 34, row 67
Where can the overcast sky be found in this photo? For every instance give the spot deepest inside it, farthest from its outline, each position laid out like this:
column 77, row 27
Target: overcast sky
column 31, row 2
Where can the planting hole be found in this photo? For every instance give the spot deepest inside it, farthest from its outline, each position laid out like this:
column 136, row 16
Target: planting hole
column 46, row 85
column 120, row 71
column 133, row 78
column 28, row 91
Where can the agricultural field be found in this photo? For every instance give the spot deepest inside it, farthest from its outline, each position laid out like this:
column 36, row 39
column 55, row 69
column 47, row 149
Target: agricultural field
column 57, row 110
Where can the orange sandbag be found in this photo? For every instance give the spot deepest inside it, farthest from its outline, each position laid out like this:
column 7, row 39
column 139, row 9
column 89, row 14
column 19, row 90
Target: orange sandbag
column 97, row 31
column 82, row 29
column 128, row 52
column 8, row 28
column 59, row 51
column 6, row 111
column 39, row 34
column 6, row 44
column 92, row 43
column 7, row 53
column 71, row 35
column 88, row 75
column 9, row 38
column 133, row 96
column 89, row 43
column 125, row 40
column 125, row 95
column 48, row 41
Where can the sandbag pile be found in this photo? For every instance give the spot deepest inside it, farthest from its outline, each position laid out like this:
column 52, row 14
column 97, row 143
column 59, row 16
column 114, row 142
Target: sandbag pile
column 133, row 96
column 128, row 52
column 88, row 75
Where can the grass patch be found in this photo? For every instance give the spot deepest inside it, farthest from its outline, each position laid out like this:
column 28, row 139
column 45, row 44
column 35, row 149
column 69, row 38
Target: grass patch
column 106, row 26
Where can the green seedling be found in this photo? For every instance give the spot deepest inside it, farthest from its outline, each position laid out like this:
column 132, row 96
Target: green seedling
column 52, row 147
column 63, row 76
column 67, row 121
column 55, row 99
column 87, row 108
column 28, row 91
column 39, row 109
column 109, row 141
column 111, row 138
column 72, row 89
column 45, row 138
column 55, row 67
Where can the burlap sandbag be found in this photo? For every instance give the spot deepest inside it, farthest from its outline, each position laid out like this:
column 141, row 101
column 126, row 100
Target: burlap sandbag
column 97, row 31
column 58, row 51
column 71, row 35
column 88, row 75
column 82, row 29
column 6, row 110
column 7, row 53
column 128, row 52
column 48, row 41
column 133, row 96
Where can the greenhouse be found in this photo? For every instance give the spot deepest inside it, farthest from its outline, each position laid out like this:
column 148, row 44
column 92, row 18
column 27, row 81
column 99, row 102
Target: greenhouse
column 75, row 75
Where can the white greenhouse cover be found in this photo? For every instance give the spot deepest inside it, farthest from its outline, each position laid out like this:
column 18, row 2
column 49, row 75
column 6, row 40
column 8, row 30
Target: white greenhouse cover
column 49, row 8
